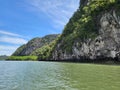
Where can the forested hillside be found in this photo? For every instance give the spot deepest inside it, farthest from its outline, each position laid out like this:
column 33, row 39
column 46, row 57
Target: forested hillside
column 34, row 44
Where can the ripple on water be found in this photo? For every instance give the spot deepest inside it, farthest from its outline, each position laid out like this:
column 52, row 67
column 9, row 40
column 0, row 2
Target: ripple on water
column 57, row 76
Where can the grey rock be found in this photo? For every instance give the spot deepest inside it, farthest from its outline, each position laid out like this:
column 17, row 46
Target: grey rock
column 105, row 45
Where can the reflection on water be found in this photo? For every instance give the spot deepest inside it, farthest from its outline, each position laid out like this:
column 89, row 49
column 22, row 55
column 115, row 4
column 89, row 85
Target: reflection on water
column 49, row 76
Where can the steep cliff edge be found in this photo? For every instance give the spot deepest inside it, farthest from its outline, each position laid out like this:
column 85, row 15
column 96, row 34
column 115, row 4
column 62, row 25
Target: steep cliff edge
column 92, row 33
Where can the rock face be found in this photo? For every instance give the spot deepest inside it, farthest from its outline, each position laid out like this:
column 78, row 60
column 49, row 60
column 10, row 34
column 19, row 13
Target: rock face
column 105, row 45
column 34, row 44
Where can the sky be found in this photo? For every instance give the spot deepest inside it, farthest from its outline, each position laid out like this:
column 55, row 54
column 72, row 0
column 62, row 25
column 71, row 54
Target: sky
column 22, row 20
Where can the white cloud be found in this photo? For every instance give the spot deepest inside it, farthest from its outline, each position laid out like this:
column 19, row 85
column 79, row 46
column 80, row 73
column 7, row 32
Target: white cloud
column 9, row 33
column 7, row 50
column 12, row 40
column 59, row 11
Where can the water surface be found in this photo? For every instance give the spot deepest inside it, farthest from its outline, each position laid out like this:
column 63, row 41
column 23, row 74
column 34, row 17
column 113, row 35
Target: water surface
column 58, row 76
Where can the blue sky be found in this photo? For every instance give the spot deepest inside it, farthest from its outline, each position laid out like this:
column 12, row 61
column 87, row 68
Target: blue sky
column 22, row 20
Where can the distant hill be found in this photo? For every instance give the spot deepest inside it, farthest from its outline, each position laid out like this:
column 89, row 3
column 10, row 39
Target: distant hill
column 3, row 57
column 34, row 44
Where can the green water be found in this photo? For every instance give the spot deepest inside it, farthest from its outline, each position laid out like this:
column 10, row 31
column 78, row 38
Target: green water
column 58, row 76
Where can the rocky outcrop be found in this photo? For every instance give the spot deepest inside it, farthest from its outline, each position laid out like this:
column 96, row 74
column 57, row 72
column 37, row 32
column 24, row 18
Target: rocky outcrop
column 106, row 45
column 34, row 44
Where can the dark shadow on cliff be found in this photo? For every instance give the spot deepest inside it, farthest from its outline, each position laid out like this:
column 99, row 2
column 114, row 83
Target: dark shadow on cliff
column 101, row 61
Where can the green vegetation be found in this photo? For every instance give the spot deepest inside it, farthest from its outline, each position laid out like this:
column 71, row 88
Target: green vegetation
column 45, row 52
column 23, row 58
column 83, row 24
column 19, row 50
column 34, row 44
column 41, row 47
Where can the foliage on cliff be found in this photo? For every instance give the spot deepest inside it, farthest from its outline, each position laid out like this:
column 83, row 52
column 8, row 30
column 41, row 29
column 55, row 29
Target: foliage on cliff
column 33, row 45
column 83, row 24
column 19, row 50
column 23, row 58
column 45, row 52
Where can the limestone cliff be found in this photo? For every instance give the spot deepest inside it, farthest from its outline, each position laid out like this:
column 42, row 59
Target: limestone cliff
column 92, row 33
column 33, row 45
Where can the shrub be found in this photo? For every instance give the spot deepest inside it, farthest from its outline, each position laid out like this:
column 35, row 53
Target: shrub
column 23, row 58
